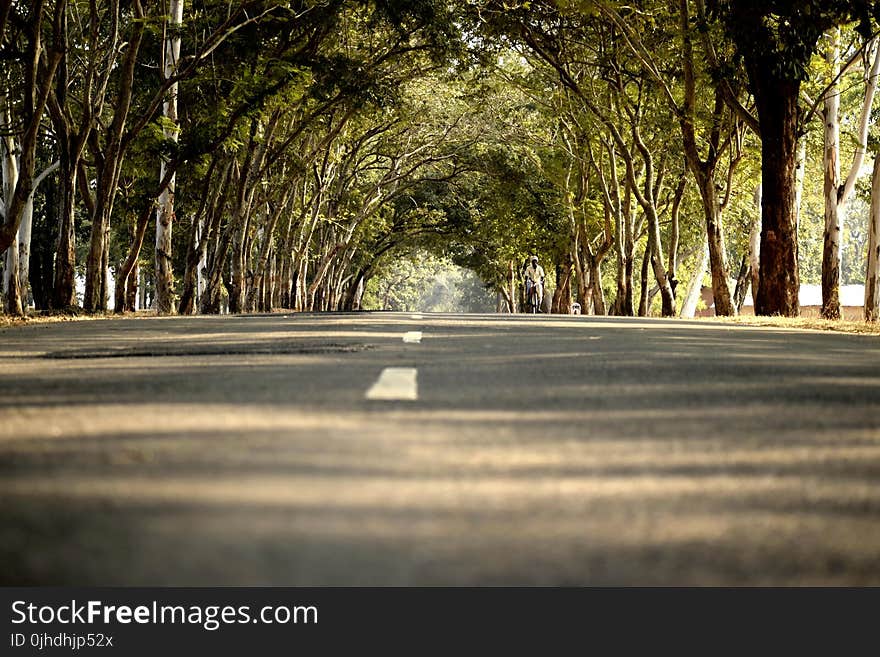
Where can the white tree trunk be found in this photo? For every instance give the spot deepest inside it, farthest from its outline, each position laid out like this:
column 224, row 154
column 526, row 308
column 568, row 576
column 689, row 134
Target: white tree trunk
column 11, row 288
column 202, row 266
column 692, row 298
column 25, row 230
column 831, row 172
column 837, row 194
column 755, row 242
column 165, row 212
column 800, row 172
column 872, row 276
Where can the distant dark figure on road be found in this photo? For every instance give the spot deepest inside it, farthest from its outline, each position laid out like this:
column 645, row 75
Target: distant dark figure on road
column 534, row 279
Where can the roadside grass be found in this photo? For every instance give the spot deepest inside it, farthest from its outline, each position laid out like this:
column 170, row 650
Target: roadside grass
column 70, row 315
column 811, row 323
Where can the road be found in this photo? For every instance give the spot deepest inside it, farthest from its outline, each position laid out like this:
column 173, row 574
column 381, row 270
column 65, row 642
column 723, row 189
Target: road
column 398, row 449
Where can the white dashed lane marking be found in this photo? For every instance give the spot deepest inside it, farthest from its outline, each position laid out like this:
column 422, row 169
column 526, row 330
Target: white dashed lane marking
column 412, row 337
column 396, row 383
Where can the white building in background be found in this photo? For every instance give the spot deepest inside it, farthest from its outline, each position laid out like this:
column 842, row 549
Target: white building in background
column 811, row 295
column 852, row 301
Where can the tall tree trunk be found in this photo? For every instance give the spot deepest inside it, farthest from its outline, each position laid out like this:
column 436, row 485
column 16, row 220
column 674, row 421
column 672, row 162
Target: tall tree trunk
column 837, row 192
column 11, row 173
column 64, row 285
column 872, row 275
column 170, row 129
column 286, row 281
column 755, row 244
column 110, row 157
column 237, row 292
column 299, row 283
column 511, row 277
column 17, row 268
column 624, row 304
column 25, row 231
column 742, row 283
column 597, row 294
column 777, row 102
column 40, row 65
column 197, row 245
column 273, row 298
column 620, row 279
column 11, row 288
column 674, row 237
column 93, row 299
column 705, row 171
column 204, row 234
column 800, row 174
column 128, row 268
column 643, row 280
column 581, row 275
column 656, row 250
column 831, row 167
column 561, row 304
column 724, row 305
column 43, row 249
column 131, row 288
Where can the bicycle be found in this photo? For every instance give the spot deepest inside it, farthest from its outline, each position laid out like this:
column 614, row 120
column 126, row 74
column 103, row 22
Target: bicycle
column 533, row 297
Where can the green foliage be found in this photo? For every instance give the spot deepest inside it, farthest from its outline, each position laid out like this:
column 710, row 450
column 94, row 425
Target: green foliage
column 782, row 34
column 427, row 136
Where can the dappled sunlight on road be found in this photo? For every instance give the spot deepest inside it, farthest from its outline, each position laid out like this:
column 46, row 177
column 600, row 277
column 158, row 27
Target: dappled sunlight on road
column 239, row 473
column 626, row 462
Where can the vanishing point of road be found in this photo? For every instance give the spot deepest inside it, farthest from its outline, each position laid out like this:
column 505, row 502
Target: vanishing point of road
column 401, row 449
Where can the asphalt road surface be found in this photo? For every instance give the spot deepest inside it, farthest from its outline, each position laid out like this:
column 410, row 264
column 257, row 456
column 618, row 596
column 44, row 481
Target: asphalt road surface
column 398, row 449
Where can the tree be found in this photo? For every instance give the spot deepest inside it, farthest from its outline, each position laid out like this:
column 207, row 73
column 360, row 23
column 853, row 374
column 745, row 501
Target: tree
column 24, row 99
column 838, row 194
column 170, row 128
column 872, row 274
column 776, row 39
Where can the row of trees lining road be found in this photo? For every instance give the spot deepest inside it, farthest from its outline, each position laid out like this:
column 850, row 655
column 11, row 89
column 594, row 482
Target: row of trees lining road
column 244, row 155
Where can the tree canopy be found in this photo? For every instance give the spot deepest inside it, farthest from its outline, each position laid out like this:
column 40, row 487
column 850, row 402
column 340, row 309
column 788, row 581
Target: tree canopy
column 205, row 156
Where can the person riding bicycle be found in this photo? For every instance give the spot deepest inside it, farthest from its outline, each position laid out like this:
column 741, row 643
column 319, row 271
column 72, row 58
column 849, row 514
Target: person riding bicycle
column 534, row 275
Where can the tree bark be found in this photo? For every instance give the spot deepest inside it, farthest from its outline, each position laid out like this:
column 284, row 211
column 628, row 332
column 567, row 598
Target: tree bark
column 25, row 231
column 717, row 251
column 110, row 164
column 777, row 102
column 643, row 279
column 561, row 304
column 37, row 87
column 598, row 294
column 872, row 274
column 10, row 181
column 831, row 168
column 132, row 286
column 837, row 192
column 126, row 269
column 64, row 284
column 742, row 283
column 170, row 130
column 755, row 243
column 704, row 171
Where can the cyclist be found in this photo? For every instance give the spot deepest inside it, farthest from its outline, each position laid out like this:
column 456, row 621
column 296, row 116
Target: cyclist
column 534, row 275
